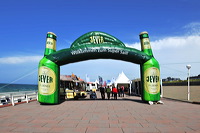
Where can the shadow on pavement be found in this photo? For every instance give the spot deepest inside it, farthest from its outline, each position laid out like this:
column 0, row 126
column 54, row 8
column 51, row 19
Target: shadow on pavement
column 100, row 99
column 177, row 100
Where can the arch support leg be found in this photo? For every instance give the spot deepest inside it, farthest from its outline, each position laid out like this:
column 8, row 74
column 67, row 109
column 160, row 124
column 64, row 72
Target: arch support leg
column 48, row 82
column 150, row 80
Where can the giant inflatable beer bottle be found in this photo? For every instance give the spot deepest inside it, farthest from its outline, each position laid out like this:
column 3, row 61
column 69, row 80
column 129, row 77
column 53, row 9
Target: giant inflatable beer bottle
column 150, row 72
column 47, row 74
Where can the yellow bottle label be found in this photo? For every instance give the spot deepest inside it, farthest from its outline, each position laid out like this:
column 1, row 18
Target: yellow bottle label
column 146, row 43
column 51, row 43
column 46, row 81
column 152, row 80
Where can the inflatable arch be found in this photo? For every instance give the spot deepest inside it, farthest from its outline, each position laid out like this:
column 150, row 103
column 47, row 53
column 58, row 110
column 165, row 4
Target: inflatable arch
column 96, row 45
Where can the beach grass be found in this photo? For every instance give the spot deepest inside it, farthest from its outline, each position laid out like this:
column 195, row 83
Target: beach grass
column 181, row 93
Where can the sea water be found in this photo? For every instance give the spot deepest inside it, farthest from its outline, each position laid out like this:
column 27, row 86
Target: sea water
column 17, row 87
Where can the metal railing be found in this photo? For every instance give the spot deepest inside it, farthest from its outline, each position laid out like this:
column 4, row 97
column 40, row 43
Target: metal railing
column 17, row 97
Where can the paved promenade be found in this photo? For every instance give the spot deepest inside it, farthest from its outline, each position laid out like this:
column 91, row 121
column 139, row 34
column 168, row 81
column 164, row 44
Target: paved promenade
column 125, row 115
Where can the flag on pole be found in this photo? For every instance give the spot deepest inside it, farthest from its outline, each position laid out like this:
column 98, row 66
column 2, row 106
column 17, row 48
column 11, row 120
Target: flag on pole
column 100, row 80
column 87, row 78
column 104, row 84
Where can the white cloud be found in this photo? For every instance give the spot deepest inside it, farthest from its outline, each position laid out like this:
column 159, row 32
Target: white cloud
column 176, row 42
column 192, row 28
column 170, row 42
column 19, row 59
column 174, row 53
column 136, row 45
column 190, row 37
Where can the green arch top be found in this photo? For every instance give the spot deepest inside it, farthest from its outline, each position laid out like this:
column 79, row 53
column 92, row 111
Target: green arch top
column 97, row 45
column 95, row 38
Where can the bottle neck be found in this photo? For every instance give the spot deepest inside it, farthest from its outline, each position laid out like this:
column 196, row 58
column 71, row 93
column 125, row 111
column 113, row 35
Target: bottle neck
column 48, row 51
column 145, row 44
column 50, row 44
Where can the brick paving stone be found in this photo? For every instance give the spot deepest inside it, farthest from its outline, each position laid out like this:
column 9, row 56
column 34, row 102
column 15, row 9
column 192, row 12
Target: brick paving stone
column 6, row 129
column 129, row 125
column 140, row 130
column 67, row 130
column 35, row 125
column 31, row 129
column 125, row 115
column 99, row 125
column 65, row 125
column 104, row 130
column 174, row 129
column 195, row 127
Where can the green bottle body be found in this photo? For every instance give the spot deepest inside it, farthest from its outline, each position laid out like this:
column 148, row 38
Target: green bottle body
column 150, row 72
column 48, row 91
column 48, row 74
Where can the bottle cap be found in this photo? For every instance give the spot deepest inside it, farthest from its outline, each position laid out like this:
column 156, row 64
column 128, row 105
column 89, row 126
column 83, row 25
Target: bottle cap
column 51, row 35
column 144, row 34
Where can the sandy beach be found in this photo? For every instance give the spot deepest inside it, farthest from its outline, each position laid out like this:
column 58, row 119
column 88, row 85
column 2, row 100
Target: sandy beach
column 180, row 93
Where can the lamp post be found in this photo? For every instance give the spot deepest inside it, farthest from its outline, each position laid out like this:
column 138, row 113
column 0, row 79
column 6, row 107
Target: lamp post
column 130, row 86
column 188, row 67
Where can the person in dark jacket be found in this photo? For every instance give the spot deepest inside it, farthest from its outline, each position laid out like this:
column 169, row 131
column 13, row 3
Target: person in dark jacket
column 102, row 90
column 122, row 91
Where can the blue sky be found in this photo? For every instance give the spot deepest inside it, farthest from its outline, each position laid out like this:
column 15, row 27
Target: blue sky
column 173, row 27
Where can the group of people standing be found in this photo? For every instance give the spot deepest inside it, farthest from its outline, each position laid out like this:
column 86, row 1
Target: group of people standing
column 111, row 90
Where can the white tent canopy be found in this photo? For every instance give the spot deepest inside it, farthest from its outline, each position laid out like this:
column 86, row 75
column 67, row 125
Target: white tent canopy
column 96, row 81
column 122, row 79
